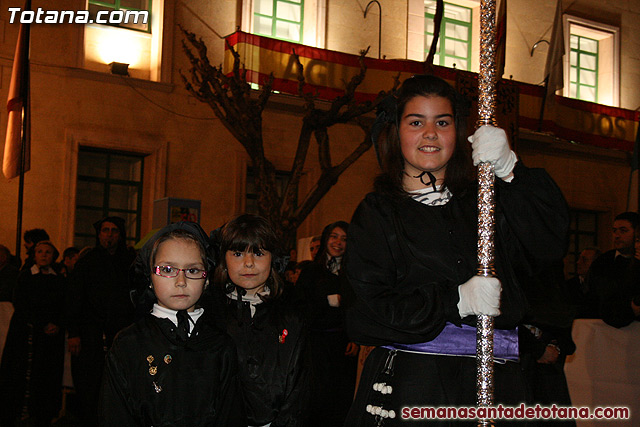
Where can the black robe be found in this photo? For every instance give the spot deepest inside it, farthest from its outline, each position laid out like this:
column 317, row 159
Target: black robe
column 273, row 373
column 548, row 323
column 617, row 282
column 405, row 261
column 98, row 306
column 583, row 301
column 195, row 383
column 33, row 360
column 333, row 374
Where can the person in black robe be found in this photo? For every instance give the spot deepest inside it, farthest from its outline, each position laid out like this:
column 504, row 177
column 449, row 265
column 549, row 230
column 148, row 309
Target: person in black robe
column 97, row 307
column 545, row 338
column 333, row 358
column 267, row 329
column 615, row 274
column 173, row 367
column 412, row 257
column 33, row 357
column 8, row 276
column 583, row 301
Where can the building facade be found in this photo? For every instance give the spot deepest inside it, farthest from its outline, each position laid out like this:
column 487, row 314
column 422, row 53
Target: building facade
column 107, row 143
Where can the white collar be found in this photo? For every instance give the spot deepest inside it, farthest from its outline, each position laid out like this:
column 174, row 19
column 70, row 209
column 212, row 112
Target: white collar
column 430, row 197
column 618, row 253
column 253, row 300
column 335, row 268
column 35, row 270
column 167, row 313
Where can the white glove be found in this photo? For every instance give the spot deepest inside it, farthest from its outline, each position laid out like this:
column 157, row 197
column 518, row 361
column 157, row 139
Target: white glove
column 479, row 295
column 489, row 144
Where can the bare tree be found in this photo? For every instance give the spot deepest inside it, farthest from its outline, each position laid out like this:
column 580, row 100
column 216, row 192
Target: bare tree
column 240, row 109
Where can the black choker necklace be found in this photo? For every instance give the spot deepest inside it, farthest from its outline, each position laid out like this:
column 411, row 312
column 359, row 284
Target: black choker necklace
column 432, row 179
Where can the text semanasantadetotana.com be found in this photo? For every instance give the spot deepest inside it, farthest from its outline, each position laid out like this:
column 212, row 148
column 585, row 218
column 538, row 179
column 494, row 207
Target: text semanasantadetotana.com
column 522, row 412
column 41, row 16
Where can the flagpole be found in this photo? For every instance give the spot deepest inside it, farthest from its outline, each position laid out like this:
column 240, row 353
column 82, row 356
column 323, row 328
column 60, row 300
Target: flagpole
column 635, row 166
column 553, row 67
column 25, row 141
column 635, row 173
column 544, row 102
column 486, row 204
column 20, row 196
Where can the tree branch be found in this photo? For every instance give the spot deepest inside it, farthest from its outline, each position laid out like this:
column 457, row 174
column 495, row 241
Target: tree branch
column 327, row 180
column 239, row 109
column 324, row 154
column 228, row 96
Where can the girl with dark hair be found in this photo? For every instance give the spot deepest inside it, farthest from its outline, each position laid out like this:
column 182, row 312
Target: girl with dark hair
column 333, row 357
column 268, row 332
column 173, row 366
column 453, row 162
column 412, row 256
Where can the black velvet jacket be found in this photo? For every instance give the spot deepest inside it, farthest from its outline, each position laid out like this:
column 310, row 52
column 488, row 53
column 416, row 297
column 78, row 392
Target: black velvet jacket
column 38, row 301
column 313, row 286
column 194, row 384
column 98, row 302
column 405, row 260
column 273, row 370
column 616, row 283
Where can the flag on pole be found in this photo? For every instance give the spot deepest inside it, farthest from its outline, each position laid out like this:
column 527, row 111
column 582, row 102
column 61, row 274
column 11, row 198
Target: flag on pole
column 16, row 138
column 501, row 38
column 553, row 73
column 634, row 185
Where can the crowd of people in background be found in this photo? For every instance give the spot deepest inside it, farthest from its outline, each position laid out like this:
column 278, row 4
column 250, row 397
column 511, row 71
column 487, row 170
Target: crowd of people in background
column 301, row 299
column 227, row 329
column 90, row 295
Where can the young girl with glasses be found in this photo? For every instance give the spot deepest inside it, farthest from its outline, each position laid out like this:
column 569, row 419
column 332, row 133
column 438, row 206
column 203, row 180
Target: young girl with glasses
column 268, row 332
column 173, row 366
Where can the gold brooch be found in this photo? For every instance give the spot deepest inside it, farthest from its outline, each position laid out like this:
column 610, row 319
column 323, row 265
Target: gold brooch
column 152, row 369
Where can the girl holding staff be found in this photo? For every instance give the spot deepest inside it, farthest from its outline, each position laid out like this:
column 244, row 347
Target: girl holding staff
column 411, row 256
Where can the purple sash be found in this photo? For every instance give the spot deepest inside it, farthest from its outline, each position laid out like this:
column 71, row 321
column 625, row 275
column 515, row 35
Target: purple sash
column 456, row 341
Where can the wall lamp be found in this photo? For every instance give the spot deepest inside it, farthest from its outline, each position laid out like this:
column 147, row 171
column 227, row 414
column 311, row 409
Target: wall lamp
column 119, row 68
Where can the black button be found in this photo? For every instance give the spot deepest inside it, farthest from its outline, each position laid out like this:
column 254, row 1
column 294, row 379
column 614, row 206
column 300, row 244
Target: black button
column 459, row 261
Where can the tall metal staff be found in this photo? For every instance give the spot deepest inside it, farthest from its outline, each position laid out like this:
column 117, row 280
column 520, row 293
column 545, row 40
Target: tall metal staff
column 486, row 203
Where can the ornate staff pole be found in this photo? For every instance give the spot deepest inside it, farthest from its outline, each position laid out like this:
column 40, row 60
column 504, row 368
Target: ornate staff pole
column 486, row 204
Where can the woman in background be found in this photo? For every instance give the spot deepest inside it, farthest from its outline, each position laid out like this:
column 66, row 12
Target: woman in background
column 33, row 357
column 320, row 288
